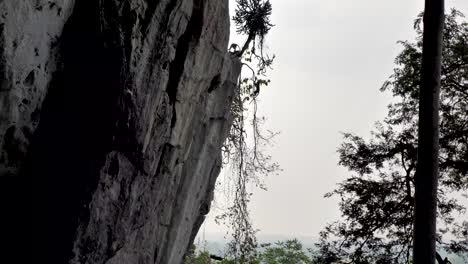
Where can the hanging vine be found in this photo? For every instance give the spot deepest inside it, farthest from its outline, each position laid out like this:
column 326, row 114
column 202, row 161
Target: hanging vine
column 243, row 149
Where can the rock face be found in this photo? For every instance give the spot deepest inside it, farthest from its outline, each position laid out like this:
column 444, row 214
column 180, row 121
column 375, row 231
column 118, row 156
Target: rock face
column 118, row 109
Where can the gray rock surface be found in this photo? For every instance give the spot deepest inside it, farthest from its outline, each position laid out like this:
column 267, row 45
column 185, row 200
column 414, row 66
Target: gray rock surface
column 120, row 108
column 29, row 34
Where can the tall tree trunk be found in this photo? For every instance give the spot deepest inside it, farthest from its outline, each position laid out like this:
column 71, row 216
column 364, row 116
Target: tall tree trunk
column 428, row 151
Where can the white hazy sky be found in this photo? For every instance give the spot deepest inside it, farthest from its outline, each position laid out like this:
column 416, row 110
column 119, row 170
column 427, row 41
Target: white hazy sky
column 332, row 58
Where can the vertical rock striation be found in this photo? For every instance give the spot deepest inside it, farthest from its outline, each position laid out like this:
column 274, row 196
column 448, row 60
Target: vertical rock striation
column 119, row 108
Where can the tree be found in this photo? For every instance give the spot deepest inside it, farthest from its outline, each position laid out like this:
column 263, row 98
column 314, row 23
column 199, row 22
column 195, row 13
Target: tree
column 246, row 157
column 427, row 171
column 252, row 18
column 287, row 252
column 281, row 252
column 377, row 199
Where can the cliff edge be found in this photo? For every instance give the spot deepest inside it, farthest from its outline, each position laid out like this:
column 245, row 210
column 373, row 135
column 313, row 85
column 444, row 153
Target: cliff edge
column 119, row 109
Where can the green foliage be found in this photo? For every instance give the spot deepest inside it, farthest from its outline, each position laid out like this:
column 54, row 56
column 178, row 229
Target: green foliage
column 281, row 252
column 252, row 18
column 377, row 199
column 287, row 252
column 194, row 257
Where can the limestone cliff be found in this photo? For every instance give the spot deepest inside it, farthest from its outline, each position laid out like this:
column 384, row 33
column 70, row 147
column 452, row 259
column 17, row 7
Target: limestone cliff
column 119, row 108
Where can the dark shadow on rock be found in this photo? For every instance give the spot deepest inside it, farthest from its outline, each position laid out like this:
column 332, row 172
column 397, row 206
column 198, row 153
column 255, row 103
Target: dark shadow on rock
column 75, row 129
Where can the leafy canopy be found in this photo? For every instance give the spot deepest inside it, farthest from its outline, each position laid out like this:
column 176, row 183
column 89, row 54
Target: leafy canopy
column 287, row 252
column 281, row 252
column 377, row 198
column 252, row 18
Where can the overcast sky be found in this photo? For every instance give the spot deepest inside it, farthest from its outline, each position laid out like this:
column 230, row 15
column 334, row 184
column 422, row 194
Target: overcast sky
column 332, row 58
